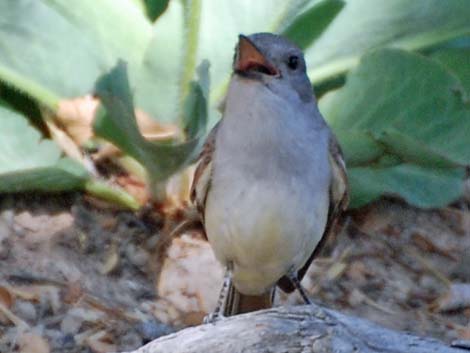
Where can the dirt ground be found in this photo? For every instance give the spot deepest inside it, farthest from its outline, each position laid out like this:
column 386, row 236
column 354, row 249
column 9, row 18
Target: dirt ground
column 79, row 277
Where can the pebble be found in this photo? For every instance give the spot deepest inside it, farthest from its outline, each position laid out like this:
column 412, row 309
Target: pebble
column 130, row 341
column 25, row 310
column 59, row 340
column 137, row 256
column 151, row 330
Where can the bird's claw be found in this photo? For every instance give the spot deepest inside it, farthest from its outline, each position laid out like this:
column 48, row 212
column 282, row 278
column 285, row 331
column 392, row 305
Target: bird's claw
column 212, row 318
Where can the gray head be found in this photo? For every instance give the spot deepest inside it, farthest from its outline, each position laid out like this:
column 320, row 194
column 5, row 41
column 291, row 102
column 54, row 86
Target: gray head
column 273, row 60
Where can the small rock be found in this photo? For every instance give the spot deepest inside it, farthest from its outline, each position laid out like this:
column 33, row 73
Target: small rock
column 136, row 255
column 151, row 330
column 152, row 242
column 71, row 324
column 25, row 310
column 32, row 343
column 58, row 340
column 75, row 317
column 130, row 341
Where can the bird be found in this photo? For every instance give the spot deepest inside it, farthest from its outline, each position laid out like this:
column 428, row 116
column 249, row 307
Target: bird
column 270, row 182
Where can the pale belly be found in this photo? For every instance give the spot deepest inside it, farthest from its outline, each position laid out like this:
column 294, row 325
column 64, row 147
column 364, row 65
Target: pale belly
column 263, row 230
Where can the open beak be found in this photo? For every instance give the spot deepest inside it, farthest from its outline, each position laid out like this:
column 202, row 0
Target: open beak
column 249, row 59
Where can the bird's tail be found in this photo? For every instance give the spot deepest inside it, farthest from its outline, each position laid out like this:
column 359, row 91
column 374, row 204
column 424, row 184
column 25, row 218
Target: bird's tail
column 238, row 303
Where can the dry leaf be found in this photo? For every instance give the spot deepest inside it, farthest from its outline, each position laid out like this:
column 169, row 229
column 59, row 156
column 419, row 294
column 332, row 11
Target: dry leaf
column 73, row 292
column 11, row 317
column 77, row 115
column 335, row 271
column 111, row 262
column 135, row 187
column 464, row 333
column 101, row 342
column 6, row 300
column 154, row 131
column 179, row 186
column 358, row 272
column 29, row 293
column 6, row 297
column 193, row 318
column 67, row 144
column 428, row 246
column 32, row 343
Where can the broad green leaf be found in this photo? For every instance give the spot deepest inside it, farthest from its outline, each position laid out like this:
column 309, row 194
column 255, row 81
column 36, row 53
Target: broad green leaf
column 52, row 49
column 410, row 110
column 29, row 163
column 308, row 25
column 157, row 89
column 419, row 186
column 116, row 122
column 409, row 93
column 457, row 60
column 367, row 24
column 195, row 106
column 411, row 150
column 359, row 147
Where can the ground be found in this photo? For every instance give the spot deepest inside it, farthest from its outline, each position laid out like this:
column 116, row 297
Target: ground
column 77, row 276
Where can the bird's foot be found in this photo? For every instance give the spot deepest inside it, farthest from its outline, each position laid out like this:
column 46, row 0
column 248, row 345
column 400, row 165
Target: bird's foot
column 213, row 317
column 292, row 275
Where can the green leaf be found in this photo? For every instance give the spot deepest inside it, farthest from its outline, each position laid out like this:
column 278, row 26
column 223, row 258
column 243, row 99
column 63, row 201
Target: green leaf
column 157, row 84
column 411, row 150
column 419, row 186
column 116, row 122
column 400, row 112
column 307, row 26
column 28, row 163
column 406, row 92
column 52, row 50
column 457, row 61
column 367, row 24
column 155, row 8
column 195, row 106
column 359, row 147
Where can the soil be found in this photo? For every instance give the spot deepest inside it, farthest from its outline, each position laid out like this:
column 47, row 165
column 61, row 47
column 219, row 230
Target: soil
column 76, row 276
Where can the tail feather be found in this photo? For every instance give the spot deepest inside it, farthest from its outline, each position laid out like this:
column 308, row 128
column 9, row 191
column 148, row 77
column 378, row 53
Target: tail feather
column 238, row 303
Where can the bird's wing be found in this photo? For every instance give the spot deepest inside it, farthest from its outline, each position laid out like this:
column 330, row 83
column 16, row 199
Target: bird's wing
column 203, row 174
column 339, row 199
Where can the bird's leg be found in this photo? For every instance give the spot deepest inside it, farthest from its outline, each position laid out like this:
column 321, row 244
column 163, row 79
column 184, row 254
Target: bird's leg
column 217, row 313
column 292, row 275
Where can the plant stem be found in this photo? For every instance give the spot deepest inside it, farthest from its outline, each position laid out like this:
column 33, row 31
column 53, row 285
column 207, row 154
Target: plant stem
column 112, row 194
column 192, row 15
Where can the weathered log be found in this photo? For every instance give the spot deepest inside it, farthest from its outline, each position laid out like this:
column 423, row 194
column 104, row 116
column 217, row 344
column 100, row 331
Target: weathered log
column 299, row 329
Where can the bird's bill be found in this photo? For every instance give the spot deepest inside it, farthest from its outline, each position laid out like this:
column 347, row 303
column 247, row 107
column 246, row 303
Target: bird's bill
column 250, row 59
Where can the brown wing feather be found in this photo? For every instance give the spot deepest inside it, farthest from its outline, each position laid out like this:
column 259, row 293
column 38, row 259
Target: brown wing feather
column 339, row 199
column 203, row 173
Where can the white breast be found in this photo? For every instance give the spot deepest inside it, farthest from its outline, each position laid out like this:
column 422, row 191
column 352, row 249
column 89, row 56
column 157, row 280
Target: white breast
column 267, row 206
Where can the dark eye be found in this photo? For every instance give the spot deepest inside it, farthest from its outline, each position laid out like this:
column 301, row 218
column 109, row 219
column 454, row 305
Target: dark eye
column 293, row 62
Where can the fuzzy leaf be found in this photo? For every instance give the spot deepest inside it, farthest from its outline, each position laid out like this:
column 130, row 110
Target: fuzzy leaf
column 368, row 24
column 307, row 26
column 414, row 118
column 419, row 186
column 116, row 122
column 52, row 50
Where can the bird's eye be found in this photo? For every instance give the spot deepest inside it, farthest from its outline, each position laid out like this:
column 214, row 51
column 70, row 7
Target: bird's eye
column 293, row 62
